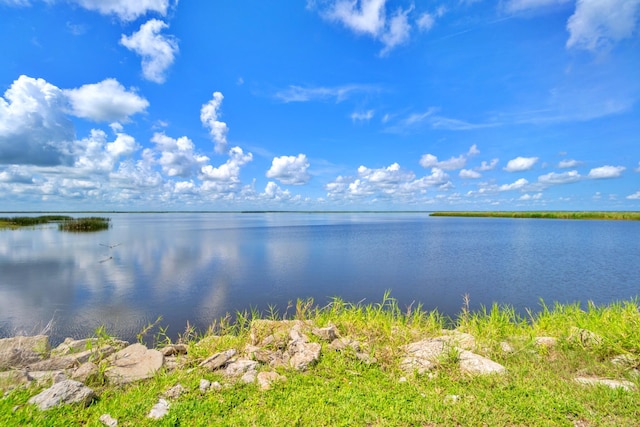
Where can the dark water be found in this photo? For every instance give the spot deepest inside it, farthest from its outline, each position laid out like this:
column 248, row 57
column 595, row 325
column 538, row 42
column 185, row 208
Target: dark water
column 198, row 267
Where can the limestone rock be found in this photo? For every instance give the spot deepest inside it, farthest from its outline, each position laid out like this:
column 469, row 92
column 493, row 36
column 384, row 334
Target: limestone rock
column 329, row 334
column 265, row 379
column 174, row 392
column 204, row 385
column 85, row 372
column 108, row 421
column 458, row 339
column 64, row 392
column 218, row 360
column 303, row 354
column 422, row 355
column 625, row 385
column 18, row 352
column 133, row 363
column 475, row 364
column 159, row 410
column 626, row 360
column 239, row 367
column 13, row 378
column 547, row 342
column 174, row 349
column 585, row 337
column 341, row 344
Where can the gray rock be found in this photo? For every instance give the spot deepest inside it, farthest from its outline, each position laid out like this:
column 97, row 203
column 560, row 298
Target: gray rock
column 70, row 346
column 13, row 378
column 472, row 363
column 44, row 377
column 303, row 355
column 19, row 352
column 341, row 344
column 329, row 334
column 204, row 385
column 133, row 363
column 85, row 372
column 108, row 421
column 239, row 367
column 585, row 337
column 159, row 410
column 628, row 361
column 174, row 392
column 218, row 360
column 249, row 377
column 422, row 356
column 265, row 379
column 174, row 349
column 458, row 339
column 64, row 392
column 625, row 385
column 547, row 342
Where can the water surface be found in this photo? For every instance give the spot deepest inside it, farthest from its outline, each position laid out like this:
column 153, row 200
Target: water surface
column 198, row 267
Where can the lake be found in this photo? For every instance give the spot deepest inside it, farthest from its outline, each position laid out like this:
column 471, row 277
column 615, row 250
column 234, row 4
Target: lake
column 196, row 267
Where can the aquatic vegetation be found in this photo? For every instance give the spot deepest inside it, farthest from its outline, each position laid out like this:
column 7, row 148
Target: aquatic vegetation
column 630, row 216
column 85, row 224
column 65, row 222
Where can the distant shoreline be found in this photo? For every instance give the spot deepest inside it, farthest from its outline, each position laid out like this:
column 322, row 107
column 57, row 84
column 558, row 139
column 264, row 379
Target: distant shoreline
column 607, row 215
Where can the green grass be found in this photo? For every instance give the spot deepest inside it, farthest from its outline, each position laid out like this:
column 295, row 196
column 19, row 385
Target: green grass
column 632, row 216
column 65, row 223
column 340, row 390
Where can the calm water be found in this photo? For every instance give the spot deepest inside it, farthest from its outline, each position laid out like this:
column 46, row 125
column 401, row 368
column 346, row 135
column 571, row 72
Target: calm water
column 198, row 267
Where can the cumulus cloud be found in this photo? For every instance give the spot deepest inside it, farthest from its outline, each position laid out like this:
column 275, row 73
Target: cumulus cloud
column 520, row 164
column 105, row 101
column 274, row 192
column 469, row 174
column 426, row 21
column 291, row 170
column 568, row 163
column 634, row 196
column 178, row 156
column 369, row 17
column 519, row 184
column 229, row 172
column 597, row 24
column 431, row 161
column 157, row 51
column 528, row 196
column 606, row 172
column 33, row 127
column 16, row 175
column 94, row 154
column 559, row 178
column 362, row 116
column 484, row 166
column 126, row 10
column 209, row 115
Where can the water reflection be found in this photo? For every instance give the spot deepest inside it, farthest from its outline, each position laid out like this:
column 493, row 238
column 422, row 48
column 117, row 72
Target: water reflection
column 198, row 267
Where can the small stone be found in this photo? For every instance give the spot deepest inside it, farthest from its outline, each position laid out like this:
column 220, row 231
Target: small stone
column 216, row 385
column 626, row 361
column 506, row 347
column 265, row 379
column 159, row 410
column 547, row 342
column 174, row 392
column 64, row 392
column 204, row 385
column 85, row 372
column 218, row 360
column 303, row 355
column 18, row 352
column 475, row 364
column 108, row 421
column 329, row 334
column 133, row 363
column 239, row 367
column 249, row 377
column 402, row 379
column 450, row 399
column 625, row 385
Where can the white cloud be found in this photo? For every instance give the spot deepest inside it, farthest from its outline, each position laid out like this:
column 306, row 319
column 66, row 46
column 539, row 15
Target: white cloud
column 304, row 94
column 634, row 196
column 127, row 10
column 369, row 17
column 95, row 155
column 362, row 116
column 484, row 166
column 528, row 196
column 209, row 114
column 33, row 127
column 638, row 168
column 513, row 6
column 16, row 175
column 16, row 2
column 520, row 164
column 229, row 172
column 397, row 32
column 519, row 184
column 426, row 22
column 559, row 178
column 273, row 192
column 431, row 161
column 157, row 51
column 469, row 174
column 105, row 101
column 597, row 24
column 606, row 172
column 568, row 163
column 177, row 156
column 291, row 170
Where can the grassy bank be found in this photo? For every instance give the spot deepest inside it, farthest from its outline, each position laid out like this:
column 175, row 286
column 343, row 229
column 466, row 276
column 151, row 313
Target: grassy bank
column 633, row 216
column 65, row 223
column 538, row 389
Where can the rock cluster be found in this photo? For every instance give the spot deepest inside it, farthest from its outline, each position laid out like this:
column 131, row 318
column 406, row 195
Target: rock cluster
column 282, row 344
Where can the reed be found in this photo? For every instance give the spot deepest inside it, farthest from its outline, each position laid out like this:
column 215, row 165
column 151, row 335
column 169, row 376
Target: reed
column 601, row 215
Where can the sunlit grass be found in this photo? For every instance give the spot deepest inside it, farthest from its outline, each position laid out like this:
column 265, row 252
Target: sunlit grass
column 341, row 390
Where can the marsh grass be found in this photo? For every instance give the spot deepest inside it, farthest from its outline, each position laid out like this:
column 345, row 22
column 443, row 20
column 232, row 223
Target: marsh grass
column 341, row 390
column 83, row 225
column 65, row 223
column 608, row 215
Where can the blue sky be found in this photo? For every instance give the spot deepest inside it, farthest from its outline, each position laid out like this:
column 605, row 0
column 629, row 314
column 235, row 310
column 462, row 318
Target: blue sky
column 325, row 104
